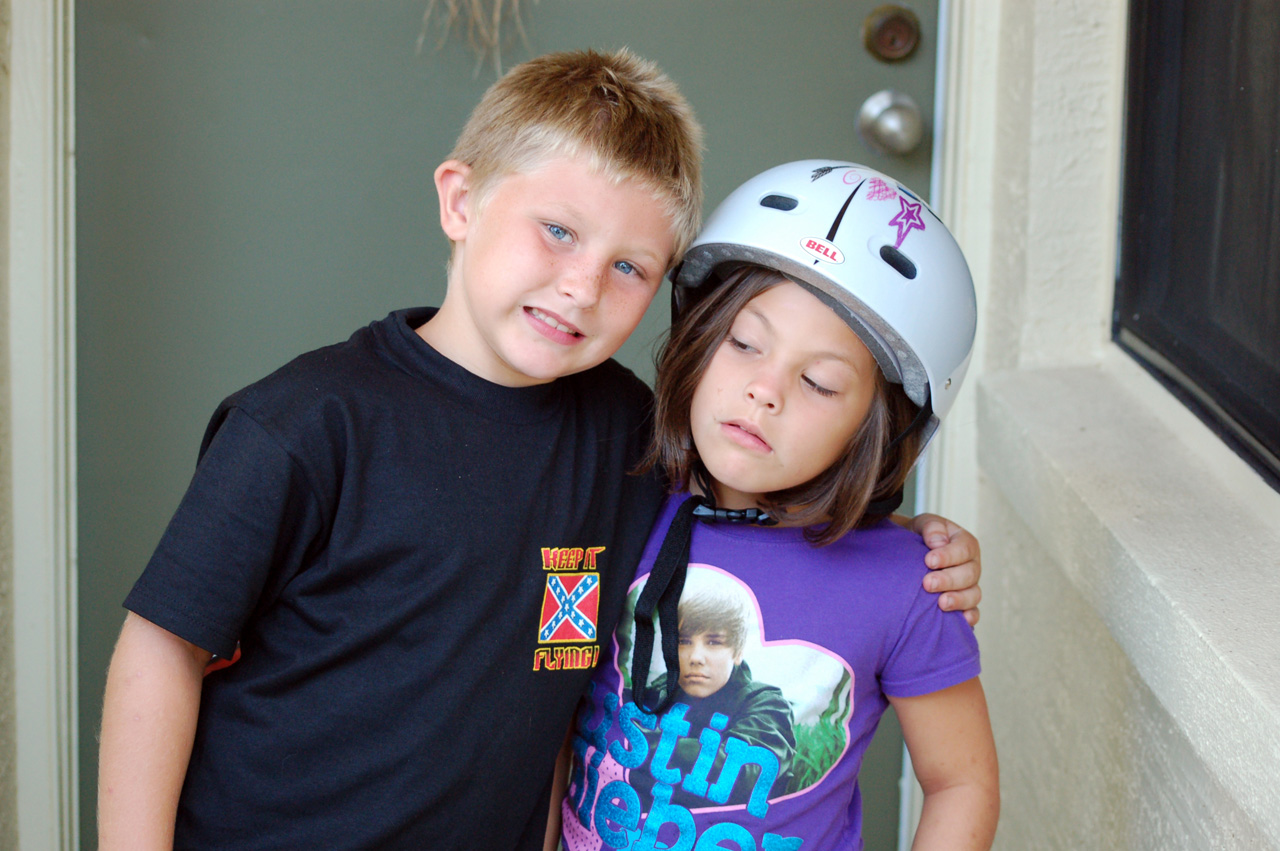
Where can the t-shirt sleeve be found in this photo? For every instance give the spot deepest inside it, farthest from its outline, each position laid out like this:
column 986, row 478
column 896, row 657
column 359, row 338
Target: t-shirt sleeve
column 246, row 521
column 934, row 650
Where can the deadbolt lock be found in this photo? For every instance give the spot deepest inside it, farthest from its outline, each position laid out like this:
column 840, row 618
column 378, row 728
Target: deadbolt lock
column 891, row 33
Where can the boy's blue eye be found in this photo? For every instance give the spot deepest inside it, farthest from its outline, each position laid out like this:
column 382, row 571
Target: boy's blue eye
column 558, row 232
column 624, row 267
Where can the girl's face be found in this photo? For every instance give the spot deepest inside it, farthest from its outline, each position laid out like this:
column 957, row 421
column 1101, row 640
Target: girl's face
column 782, row 396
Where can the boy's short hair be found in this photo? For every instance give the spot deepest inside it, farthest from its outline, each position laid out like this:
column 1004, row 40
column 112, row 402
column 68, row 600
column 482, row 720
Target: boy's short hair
column 620, row 111
column 715, row 611
column 833, row 502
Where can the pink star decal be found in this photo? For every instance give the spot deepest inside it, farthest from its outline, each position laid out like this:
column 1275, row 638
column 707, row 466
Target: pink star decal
column 907, row 220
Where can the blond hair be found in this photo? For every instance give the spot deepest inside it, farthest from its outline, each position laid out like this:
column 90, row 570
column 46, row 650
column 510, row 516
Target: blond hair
column 617, row 110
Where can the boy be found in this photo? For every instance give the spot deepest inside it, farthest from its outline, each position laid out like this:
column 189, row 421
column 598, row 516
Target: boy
column 415, row 540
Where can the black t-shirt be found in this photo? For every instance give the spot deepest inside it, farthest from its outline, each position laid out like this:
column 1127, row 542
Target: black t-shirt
column 419, row 567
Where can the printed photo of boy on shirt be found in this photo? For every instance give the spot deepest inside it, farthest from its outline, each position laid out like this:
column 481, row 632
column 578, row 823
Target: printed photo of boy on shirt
column 717, row 692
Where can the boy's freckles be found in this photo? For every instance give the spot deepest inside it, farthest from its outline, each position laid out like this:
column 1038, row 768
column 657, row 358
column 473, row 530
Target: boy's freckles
column 551, row 274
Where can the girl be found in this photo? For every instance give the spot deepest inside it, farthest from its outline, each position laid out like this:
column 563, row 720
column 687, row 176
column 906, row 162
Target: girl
column 824, row 320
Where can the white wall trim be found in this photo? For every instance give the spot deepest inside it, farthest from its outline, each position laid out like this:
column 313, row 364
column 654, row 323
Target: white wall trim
column 41, row 314
column 962, row 177
column 940, row 469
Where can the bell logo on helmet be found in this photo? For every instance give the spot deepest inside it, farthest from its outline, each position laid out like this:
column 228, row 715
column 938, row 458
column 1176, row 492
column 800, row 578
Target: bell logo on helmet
column 822, row 249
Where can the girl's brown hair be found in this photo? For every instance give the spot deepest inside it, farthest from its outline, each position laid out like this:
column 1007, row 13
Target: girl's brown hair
column 830, row 504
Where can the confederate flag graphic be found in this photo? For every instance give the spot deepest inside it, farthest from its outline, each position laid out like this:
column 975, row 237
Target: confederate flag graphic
column 570, row 608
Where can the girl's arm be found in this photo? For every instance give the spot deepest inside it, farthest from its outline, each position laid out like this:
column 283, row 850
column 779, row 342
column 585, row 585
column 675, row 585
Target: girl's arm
column 954, row 755
column 955, row 562
column 148, row 725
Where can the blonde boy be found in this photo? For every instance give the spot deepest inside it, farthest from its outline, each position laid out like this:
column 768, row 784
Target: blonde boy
column 414, row 541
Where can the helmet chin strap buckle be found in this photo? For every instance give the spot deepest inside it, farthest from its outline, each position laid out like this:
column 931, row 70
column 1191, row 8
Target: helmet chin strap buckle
column 752, row 516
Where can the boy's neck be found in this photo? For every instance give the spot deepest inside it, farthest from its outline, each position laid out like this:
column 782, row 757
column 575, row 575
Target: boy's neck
column 438, row 334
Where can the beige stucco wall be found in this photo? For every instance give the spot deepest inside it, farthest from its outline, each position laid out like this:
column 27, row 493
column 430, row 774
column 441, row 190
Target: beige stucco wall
column 1131, row 653
column 8, row 747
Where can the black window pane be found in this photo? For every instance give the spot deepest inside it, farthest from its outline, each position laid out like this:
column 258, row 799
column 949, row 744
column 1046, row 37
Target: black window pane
column 1198, row 296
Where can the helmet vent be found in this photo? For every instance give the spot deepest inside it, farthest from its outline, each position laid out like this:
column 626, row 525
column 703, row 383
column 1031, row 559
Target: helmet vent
column 779, row 202
column 899, row 261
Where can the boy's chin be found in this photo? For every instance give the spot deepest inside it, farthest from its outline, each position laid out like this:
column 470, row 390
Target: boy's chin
column 545, row 374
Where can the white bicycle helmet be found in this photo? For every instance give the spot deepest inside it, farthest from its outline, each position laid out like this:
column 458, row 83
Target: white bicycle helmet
column 869, row 248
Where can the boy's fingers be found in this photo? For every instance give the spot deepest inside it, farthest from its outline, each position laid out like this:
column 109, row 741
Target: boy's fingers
column 933, row 529
column 955, row 563
column 960, row 548
column 961, row 578
column 936, row 539
column 966, row 600
column 954, row 555
column 954, row 544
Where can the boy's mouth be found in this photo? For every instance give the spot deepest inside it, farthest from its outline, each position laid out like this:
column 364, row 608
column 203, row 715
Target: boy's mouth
column 554, row 322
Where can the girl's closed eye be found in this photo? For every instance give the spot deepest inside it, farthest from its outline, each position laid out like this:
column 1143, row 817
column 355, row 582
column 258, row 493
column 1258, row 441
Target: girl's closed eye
column 740, row 345
column 818, row 388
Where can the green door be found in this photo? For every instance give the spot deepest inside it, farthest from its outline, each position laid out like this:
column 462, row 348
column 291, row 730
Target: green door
column 254, row 180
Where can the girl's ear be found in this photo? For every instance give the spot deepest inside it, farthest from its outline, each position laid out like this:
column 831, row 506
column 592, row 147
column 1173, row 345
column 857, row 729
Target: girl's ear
column 453, row 181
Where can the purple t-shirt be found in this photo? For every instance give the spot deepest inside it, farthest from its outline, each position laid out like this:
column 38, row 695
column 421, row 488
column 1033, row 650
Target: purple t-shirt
column 808, row 642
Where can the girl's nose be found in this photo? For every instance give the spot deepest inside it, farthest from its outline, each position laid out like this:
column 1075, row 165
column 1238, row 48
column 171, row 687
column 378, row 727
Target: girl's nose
column 764, row 390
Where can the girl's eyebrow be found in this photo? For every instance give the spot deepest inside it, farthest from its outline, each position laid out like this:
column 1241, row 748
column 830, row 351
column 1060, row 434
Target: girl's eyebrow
column 757, row 314
column 837, row 356
column 829, row 355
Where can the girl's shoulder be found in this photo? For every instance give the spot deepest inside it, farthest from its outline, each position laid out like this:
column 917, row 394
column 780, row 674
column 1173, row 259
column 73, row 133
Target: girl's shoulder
column 886, row 546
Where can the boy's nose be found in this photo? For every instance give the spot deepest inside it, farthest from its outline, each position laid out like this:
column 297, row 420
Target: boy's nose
column 582, row 283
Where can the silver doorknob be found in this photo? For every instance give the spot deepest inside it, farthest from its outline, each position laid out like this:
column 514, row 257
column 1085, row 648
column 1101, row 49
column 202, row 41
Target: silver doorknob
column 890, row 122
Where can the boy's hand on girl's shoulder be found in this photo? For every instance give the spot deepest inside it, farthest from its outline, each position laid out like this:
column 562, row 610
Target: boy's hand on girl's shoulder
column 955, row 562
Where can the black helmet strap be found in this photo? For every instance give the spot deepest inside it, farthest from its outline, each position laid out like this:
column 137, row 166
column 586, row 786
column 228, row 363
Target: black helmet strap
column 891, row 503
column 662, row 591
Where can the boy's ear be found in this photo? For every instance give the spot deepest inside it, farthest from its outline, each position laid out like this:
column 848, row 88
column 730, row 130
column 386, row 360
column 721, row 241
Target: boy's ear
column 453, row 181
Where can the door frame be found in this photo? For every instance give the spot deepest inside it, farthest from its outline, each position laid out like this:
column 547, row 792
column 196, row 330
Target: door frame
column 42, row 438
column 42, row 398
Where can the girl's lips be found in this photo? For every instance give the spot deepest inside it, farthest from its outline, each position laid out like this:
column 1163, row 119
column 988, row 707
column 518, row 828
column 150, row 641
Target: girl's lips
column 745, row 434
column 553, row 327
